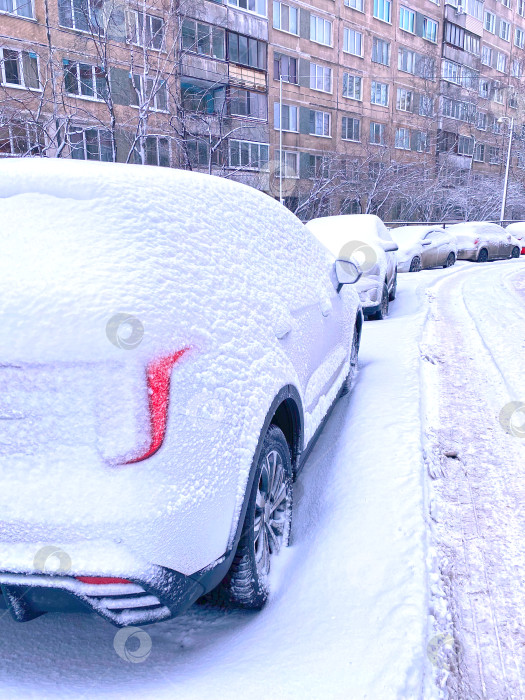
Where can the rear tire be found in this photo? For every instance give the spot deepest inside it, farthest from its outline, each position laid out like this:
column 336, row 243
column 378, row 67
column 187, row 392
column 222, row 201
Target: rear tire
column 415, row 265
column 266, row 526
column 515, row 252
column 483, row 255
column 383, row 309
column 451, row 260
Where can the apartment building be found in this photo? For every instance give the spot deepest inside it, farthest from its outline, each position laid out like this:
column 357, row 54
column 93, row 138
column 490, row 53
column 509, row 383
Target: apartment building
column 284, row 95
column 161, row 84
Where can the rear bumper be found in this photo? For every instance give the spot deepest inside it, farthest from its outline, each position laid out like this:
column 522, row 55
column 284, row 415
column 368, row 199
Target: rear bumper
column 467, row 255
column 159, row 595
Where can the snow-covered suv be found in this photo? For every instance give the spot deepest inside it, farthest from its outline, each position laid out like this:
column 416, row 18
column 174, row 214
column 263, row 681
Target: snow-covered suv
column 171, row 344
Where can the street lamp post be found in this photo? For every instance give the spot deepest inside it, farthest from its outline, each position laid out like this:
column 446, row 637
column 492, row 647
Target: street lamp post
column 507, row 168
column 280, row 133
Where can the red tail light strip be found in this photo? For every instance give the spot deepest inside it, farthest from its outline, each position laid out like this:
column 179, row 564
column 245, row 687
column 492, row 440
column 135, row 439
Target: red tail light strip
column 158, row 376
column 100, row 580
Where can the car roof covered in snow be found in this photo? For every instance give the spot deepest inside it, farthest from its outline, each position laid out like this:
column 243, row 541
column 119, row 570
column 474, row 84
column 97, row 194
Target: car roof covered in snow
column 182, row 251
column 413, row 232
column 339, row 231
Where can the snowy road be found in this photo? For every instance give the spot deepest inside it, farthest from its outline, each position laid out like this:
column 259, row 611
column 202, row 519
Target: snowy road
column 476, row 336
column 349, row 616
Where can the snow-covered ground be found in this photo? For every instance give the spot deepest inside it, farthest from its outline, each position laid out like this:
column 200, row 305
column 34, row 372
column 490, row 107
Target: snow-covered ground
column 357, row 608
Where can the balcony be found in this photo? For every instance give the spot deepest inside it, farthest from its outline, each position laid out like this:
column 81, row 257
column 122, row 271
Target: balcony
column 462, row 19
column 248, row 78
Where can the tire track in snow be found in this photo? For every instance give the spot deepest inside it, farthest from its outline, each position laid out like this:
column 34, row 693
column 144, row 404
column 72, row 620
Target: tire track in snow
column 478, row 503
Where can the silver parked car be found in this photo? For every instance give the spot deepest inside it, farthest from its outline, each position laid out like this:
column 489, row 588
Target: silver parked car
column 423, row 247
column 481, row 241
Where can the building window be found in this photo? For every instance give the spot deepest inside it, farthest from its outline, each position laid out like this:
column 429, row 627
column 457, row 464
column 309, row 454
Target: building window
column 290, row 122
column 481, row 121
column 501, row 62
column 249, row 155
column 203, row 39
column 355, row 4
column 521, row 8
column 146, row 30
column 247, row 103
column 479, row 152
column 320, row 30
column 426, row 106
column 379, row 93
column 83, row 80
column 21, row 8
column 352, row 86
column 320, row 78
column 490, row 22
column 19, row 140
column 430, row 30
column 486, row 56
column 318, row 167
column 154, row 94
column 465, row 145
column 451, row 71
column 380, row 51
column 319, row 123
column 196, row 98
column 351, row 129
column 84, row 15
column 402, row 139
column 383, row 10
column 504, row 30
column 457, row 36
column 494, row 156
column 256, row 6
column 498, row 95
column 420, row 142
column 157, row 151
column 407, row 61
column 516, row 68
column 285, row 18
column 407, row 20
column 19, row 68
column 484, row 88
column 198, row 153
column 290, row 164
column 90, row 144
column 353, row 42
column 285, row 67
column 405, row 100
column 377, row 134
column 246, row 51
column 519, row 38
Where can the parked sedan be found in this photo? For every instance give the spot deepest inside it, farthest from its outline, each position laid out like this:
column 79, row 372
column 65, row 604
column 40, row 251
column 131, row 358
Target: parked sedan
column 481, row 241
column 423, row 247
column 166, row 363
column 517, row 229
column 367, row 240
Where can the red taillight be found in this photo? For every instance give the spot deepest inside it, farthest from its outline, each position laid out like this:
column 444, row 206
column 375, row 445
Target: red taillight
column 158, row 375
column 100, row 580
column 476, row 241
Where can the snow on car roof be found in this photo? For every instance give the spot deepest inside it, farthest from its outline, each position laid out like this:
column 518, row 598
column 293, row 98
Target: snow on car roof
column 338, row 231
column 182, row 251
column 413, row 231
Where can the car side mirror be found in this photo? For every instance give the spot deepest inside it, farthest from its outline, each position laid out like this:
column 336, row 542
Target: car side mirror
column 426, row 242
column 347, row 272
column 389, row 246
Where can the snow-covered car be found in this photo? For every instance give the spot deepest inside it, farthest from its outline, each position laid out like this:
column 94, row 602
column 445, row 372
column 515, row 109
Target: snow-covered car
column 481, row 241
column 366, row 239
column 517, row 229
column 171, row 345
column 423, row 247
